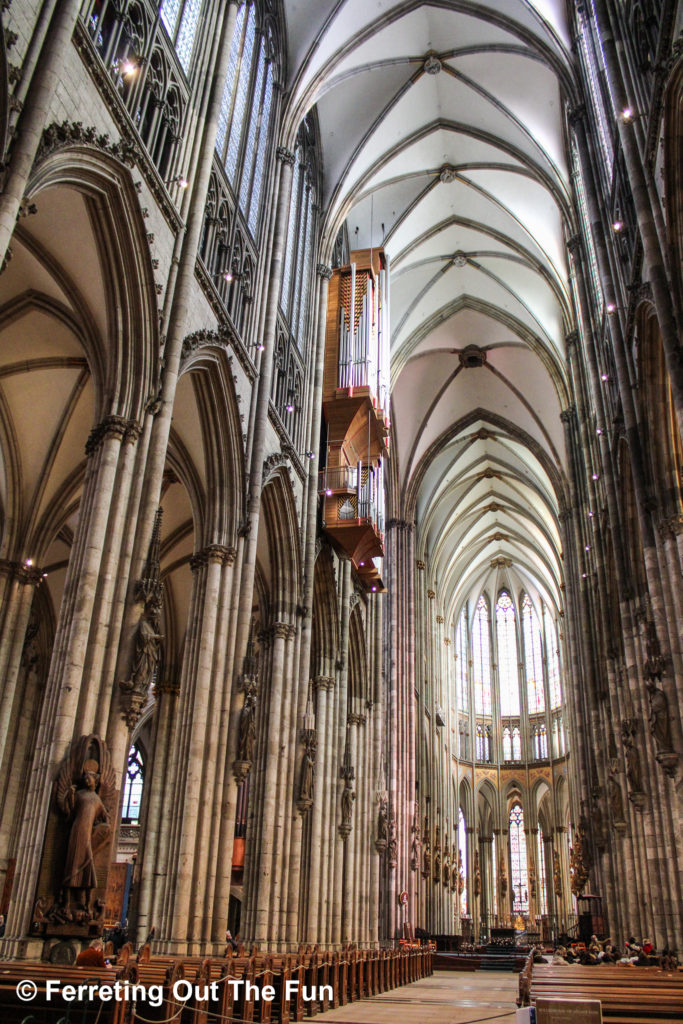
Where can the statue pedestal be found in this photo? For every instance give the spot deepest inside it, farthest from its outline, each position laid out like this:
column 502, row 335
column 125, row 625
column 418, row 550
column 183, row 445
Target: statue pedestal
column 669, row 762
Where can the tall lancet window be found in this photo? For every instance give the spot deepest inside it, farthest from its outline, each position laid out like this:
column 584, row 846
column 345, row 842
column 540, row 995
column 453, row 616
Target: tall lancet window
column 508, row 673
column 180, row 20
column 554, row 683
column 533, row 658
column 519, row 876
column 462, row 845
column 132, row 787
column 461, row 661
column 481, row 658
column 297, row 272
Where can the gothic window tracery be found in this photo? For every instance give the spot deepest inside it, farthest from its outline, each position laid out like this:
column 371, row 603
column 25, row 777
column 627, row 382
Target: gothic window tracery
column 481, row 658
column 506, row 636
column 519, row 876
column 181, row 21
column 553, row 658
column 244, row 122
column 533, row 658
column 133, row 785
column 461, row 661
column 539, row 737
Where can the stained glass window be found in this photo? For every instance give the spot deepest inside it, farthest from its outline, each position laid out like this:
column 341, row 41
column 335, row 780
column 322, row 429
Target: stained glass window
column 462, row 846
column 461, row 661
column 507, row 655
column 554, row 683
column 226, row 102
column 519, row 877
column 589, row 47
column 261, row 152
column 516, row 744
column 481, row 658
column 132, row 789
column 542, row 893
column 540, row 742
column 483, row 743
column 252, row 131
column 507, row 743
column 533, row 657
column 181, row 20
column 292, row 230
column 242, row 90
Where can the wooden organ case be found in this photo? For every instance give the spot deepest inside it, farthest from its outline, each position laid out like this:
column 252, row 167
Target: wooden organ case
column 355, row 406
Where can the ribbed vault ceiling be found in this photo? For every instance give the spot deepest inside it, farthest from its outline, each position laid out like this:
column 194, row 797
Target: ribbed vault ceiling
column 443, row 139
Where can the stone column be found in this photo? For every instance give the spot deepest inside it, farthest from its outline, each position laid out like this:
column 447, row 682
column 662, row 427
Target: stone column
column 20, row 582
column 654, row 258
column 35, row 114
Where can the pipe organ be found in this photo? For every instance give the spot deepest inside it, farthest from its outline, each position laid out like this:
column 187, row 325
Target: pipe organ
column 356, row 406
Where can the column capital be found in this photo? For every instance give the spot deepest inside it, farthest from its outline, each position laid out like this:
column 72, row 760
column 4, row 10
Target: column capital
column 285, row 155
column 21, row 571
column 216, row 554
column 323, row 683
column 324, row 271
column 575, row 245
column 568, row 415
column 112, row 426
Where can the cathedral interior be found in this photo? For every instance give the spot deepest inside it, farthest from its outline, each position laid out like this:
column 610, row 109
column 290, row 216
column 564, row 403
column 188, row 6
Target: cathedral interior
column 341, row 585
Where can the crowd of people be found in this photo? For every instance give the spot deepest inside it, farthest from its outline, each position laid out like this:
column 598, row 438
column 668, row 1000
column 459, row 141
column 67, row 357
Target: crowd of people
column 599, row 951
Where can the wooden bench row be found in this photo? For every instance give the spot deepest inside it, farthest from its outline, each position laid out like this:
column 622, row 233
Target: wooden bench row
column 204, row 990
column 628, row 995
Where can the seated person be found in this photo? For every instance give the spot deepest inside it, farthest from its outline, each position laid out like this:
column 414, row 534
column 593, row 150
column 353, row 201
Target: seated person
column 93, row 956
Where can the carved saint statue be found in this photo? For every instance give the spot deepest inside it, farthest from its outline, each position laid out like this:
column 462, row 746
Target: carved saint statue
column 557, row 874
column 348, row 796
column 147, row 647
column 248, row 725
column 437, row 855
column 307, row 771
column 659, row 717
column 426, row 851
column 85, row 794
column 461, row 875
column 446, row 862
column 392, row 844
column 477, row 874
column 633, row 771
column 382, row 833
column 502, row 875
column 615, row 797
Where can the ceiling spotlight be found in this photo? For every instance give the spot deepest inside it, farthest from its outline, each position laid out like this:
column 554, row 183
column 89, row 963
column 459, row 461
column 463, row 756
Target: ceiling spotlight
column 328, row 492
column 261, row 347
column 227, row 276
column 627, row 114
column 590, row 515
column 584, row 575
column 588, row 547
column 596, row 476
column 28, row 562
column 290, row 407
column 604, row 377
column 180, row 180
column 374, row 589
column 599, row 431
column 618, row 225
column 611, row 308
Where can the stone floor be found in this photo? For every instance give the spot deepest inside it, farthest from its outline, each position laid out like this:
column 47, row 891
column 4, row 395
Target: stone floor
column 448, row 997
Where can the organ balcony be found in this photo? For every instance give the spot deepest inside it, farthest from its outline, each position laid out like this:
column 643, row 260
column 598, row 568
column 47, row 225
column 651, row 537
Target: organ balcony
column 355, row 406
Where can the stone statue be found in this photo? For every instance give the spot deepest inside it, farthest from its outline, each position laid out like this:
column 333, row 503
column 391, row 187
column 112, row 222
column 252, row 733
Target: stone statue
column 477, row 874
column 307, row 770
column 426, row 851
column 615, row 797
column 660, row 724
column 348, row 796
column 502, row 875
column 633, row 770
column 461, row 875
column 382, row 832
column 437, row 855
column 86, row 794
column 446, row 862
column 415, row 845
column 557, row 874
column 248, row 725
column 392, row 844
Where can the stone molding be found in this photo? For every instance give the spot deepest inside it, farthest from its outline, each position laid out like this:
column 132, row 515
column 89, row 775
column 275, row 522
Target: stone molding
column 112, row 426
